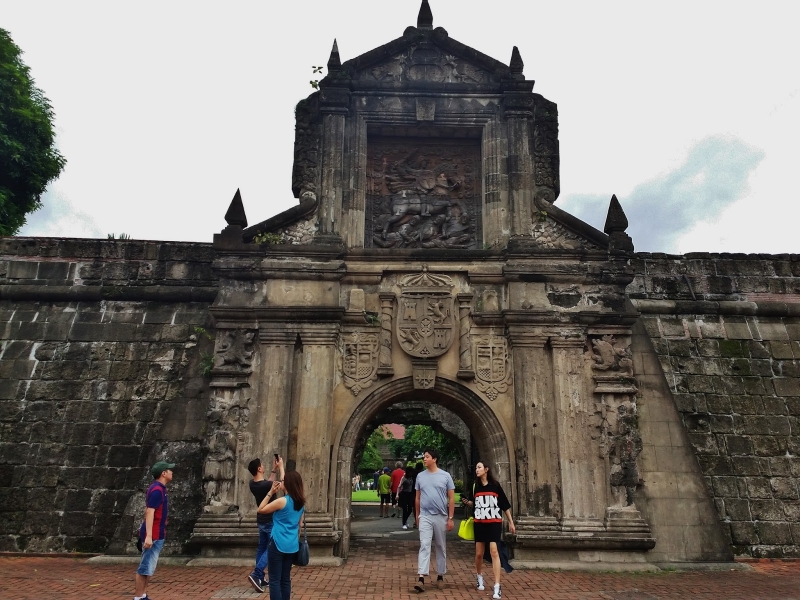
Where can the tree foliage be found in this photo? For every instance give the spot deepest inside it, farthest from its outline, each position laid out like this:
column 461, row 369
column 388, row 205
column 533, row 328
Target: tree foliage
column 371, row 458
column 28, row 157
column 419, row 437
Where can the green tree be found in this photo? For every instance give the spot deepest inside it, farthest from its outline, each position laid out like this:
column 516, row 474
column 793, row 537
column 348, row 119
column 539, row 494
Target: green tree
column 28, row 157
column 419, row 437
column 371, row 458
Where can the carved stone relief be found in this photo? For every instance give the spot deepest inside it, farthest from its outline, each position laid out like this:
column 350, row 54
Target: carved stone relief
column 492, row 371
column 610, row 355
column 423, row 194
column 426, row 63
column 359, row 360
column 425, row 321
column 547, row 233
column 232, row 352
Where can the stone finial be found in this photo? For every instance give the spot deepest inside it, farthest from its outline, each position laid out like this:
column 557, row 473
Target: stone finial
column 616, row 221
column 235, row 214
column 425, row 17
column 334, row 62
column 516, row 64
column 616, row 224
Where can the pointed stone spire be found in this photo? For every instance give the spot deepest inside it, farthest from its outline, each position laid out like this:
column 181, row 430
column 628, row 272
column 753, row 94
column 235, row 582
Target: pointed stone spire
column 616, row 221
column 516, row 65
column 334, row 62
column 616, row 224
column 235, row 215
column 425, row 17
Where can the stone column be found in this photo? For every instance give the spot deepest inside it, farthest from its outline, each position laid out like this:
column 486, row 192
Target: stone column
column 495, row 197
column 465, row 367
column 334, row 108
column 275, row 385
column 520, row 170
column 387, row 318
column 583, row 486
column 313, row 405
column 537, row 450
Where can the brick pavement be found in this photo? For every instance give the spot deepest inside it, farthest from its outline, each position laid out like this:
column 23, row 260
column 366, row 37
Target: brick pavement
column 381, row 569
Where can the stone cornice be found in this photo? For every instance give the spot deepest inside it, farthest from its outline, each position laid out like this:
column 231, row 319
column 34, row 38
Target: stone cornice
column 86, row 293
column 722, row 307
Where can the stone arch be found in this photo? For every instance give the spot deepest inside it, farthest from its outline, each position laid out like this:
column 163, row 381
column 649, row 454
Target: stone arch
column 491, row 437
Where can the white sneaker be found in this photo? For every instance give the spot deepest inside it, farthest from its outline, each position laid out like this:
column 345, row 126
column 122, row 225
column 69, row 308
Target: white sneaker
column 496, row 595
column 405, row 526
column 481, row 587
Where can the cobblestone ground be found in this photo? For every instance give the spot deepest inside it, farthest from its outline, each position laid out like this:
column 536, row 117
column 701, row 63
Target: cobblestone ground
column 386, row 570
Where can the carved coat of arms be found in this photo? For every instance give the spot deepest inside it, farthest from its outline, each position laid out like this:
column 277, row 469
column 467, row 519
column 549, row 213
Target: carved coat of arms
column 425, row 318
column 359, row 360
column 491, row 366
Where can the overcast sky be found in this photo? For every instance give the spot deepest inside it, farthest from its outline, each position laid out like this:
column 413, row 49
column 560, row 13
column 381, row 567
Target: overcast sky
column 688, row 111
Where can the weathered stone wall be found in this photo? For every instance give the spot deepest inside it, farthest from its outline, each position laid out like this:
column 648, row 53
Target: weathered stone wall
column 100, row 376
column 726, row 329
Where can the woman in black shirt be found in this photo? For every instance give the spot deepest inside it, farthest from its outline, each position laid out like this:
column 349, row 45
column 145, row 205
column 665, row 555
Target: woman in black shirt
column 490, row 504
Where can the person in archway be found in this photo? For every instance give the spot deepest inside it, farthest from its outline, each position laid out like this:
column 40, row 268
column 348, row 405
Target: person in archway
column 434, row 507
column 397, row 476
column 385, row 492
column 406, row 494
column 260, row 487
column 490, row 503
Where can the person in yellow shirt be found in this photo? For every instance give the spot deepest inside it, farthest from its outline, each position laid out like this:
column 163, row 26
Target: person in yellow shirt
column 385, row 491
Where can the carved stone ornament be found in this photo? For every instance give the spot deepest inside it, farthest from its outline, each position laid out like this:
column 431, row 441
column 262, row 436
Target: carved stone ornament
column 423, row 194
column 233, row 351
column 611, row 356
column 424, row 374
column 426, row 63
column 359, row 360
column 425, row 320
column 547, row 233
column 492, row 373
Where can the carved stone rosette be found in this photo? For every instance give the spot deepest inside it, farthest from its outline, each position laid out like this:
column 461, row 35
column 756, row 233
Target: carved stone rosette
column 492, row 372
column 359, row 360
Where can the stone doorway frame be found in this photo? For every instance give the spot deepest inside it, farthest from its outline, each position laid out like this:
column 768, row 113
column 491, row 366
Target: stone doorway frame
column 492, row 439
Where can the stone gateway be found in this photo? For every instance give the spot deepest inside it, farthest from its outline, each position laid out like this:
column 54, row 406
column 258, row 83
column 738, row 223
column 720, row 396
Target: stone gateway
column 638, row 409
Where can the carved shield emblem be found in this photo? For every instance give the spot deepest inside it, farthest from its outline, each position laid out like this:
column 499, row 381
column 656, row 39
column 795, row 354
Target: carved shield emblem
column 425, row 320
column 359, row 360
column 491, row 365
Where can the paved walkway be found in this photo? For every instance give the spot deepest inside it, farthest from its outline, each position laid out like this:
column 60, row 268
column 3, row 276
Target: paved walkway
column 381, row 568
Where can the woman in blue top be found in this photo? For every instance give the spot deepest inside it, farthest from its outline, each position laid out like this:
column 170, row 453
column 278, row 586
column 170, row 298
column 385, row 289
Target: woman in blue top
column 287, row 517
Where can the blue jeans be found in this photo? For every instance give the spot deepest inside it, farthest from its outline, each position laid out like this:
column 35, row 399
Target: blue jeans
column 264, row 538
column 147, row 566
column 280, row 570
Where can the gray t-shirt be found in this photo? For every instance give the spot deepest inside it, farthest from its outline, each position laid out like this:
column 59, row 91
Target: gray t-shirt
column 433, row 488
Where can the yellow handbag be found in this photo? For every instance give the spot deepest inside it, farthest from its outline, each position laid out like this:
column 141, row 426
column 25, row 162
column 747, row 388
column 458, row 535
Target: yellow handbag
column 466, row 531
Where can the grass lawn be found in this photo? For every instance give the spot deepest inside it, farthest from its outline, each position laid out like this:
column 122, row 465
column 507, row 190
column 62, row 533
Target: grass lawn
column 372, row 496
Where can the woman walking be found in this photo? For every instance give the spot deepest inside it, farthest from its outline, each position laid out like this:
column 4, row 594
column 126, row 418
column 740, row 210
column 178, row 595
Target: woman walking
column 406, row 494
column 490, row 504
column 287, row 518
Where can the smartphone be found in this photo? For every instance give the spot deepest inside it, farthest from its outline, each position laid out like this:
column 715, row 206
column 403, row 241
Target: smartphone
column 277, row 457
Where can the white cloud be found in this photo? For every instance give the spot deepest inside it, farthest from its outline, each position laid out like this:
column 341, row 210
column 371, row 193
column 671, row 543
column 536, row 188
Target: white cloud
column 58, row 217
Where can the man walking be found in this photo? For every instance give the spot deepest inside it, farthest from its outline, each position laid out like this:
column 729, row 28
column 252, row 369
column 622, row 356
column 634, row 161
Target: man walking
column 385, row 491
column 154, row 529
column 260, row 487
column 434, row 508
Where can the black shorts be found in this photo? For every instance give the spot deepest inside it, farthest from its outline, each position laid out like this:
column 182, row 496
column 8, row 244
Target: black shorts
column 488, row 532
column 386, row 499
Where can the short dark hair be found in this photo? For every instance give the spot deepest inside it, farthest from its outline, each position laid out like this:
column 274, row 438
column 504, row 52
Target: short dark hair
column 253, row 466
column 433, row 452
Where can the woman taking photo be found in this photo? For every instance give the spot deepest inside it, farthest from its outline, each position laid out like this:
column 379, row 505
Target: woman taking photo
column 489, row 503
column 287, row 518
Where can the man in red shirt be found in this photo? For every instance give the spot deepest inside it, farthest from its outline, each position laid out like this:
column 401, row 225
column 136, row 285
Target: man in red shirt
column 397, row 475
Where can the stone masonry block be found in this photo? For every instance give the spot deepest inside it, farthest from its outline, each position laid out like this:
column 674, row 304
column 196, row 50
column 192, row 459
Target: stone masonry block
column 774, row 533
column 738, row 509
column 786, row 387
column 732, row 349
column 772, row 330
column 781, row 349
column 725, row 487
column 738, row 445
column 22, row 269
column 708, row 347
column 784, row 488
column 711, row 329
column 758, row 487
column 673, row 328
column 744, row 533
column 738, row 330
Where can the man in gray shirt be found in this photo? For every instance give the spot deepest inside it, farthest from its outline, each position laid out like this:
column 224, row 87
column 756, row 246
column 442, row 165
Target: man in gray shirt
column 434, row 507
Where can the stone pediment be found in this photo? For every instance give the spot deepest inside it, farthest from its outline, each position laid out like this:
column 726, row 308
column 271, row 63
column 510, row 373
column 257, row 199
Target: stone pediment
column 555, row 229
column 422, row 56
